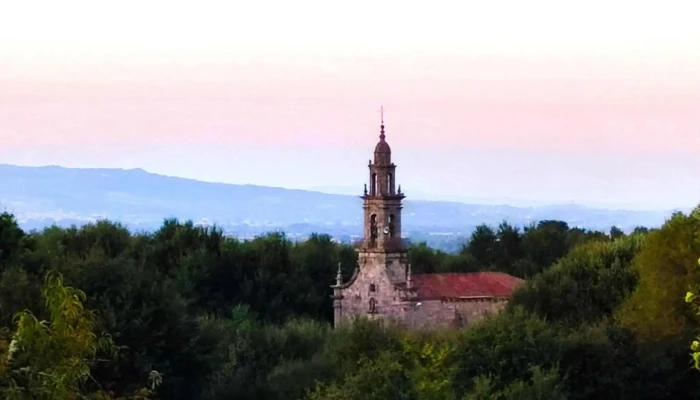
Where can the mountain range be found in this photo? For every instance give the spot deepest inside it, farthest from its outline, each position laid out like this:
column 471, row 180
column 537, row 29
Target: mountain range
column 42, row 196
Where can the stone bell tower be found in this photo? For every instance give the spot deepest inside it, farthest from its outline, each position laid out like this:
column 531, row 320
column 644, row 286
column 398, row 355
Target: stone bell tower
column 382, row 201
column 382, row 243
column 374, row 290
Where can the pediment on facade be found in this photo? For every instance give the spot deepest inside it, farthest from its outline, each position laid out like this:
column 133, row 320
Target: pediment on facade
column 352, row 280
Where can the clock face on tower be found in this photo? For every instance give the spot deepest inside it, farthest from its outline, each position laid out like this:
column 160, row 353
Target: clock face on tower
column 386, row 230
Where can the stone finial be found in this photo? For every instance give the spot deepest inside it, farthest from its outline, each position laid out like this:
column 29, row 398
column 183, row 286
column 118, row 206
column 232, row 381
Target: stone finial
column 339, row 276
column 365, row 188
column 399, row 189
column 381, row 131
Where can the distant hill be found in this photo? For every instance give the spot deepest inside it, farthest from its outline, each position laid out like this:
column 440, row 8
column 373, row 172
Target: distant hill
column 41, row 196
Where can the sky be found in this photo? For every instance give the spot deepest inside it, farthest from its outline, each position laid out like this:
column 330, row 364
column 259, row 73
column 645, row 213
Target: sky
column 596, row 102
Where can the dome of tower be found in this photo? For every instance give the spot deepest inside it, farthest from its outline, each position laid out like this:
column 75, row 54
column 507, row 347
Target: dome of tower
column 382, row 147
column 382, row 151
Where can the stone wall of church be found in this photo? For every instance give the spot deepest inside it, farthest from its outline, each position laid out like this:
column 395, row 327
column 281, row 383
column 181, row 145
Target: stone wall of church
column 475, row 310
column 444, row 314
column 374, row 281
column 373, row 295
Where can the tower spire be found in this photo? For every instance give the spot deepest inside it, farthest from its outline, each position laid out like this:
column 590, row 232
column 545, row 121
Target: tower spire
column 381, row 132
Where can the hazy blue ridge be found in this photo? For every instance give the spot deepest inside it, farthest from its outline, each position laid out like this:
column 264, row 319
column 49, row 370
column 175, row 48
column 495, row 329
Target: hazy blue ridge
column 41, row 196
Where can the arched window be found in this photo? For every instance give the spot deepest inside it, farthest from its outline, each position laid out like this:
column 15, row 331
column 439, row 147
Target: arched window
column 389, row 184
column 372, row 288
column 372, row 305
column 375, row 185
column 392, row 224
column 373, row 226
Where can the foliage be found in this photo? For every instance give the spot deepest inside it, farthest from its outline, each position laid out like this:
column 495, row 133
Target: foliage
column 12, row 239
column 382, row 378
column 666, row 269
column 431, row 368
column 52, row 359
column 691, row 297
column 544, row 385
column 408, row 367
column 523, row 253
column 600, row 316
column 518, row 340
column 587, row 284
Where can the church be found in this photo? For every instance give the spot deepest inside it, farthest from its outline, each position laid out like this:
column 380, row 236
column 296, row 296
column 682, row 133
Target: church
column 382, row 286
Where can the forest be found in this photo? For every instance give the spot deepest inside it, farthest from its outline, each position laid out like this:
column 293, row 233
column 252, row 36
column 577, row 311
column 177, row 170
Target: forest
column 99, row 312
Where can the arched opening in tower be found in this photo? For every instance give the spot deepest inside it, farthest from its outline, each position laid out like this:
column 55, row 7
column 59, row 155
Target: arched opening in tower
column 391, row 225
column 373, row 227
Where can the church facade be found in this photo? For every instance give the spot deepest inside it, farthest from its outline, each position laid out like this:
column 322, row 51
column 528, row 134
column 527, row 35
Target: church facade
column 383, row 287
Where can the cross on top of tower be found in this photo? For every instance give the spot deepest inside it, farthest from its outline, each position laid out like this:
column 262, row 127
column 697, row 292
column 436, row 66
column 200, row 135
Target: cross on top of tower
column 382, row 152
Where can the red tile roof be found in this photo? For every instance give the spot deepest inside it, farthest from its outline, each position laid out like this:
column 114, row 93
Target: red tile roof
column 476, row 284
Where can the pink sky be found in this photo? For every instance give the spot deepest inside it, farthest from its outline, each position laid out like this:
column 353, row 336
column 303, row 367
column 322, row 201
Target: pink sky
column 167, row 87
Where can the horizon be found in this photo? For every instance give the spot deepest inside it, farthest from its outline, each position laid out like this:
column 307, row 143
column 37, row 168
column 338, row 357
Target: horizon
column 348, row 191
column 529, row 104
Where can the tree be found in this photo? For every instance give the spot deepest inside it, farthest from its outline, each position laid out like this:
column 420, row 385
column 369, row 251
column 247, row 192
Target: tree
column 52, row 359
column 227, row 318
column 546, row 242
column 482, row 246
column 616, row 232
column 421, row 367
column 430, row 368
column 505, row 347
column 382, row 378
column 587, row 284
column 314, row 261
column 11, row 239
column 509, row 243
column 666, row 270
column 544, row 385
column 425, row 260
column 691, row 297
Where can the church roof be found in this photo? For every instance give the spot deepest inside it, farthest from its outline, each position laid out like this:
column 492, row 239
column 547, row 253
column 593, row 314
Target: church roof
column 456, row 285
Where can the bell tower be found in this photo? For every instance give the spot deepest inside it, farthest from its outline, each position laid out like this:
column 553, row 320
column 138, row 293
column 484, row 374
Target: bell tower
column 382, row 212
column 376, row 288
column 382, row 201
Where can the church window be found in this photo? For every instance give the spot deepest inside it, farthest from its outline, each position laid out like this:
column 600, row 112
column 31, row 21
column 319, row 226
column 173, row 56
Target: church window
column 389, row 179
column 372, row 287
column 372, row 305
column 391, row 225
column 373, row 226
column 374, row 184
